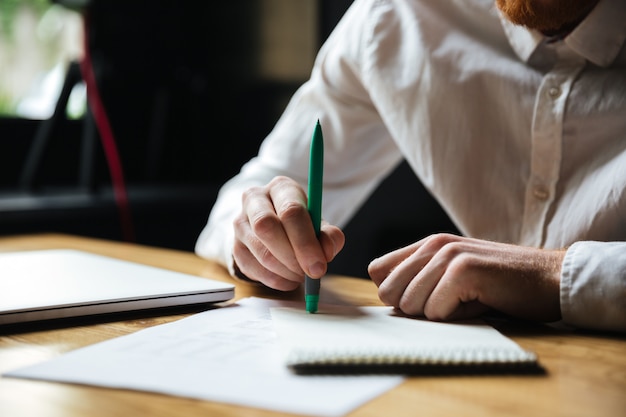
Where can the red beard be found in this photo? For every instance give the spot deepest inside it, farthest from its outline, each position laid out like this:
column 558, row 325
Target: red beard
column 546, row 15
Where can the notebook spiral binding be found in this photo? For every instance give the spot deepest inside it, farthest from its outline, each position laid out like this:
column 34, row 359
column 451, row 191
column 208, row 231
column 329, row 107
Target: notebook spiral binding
column 452, row 355
column 431, row 362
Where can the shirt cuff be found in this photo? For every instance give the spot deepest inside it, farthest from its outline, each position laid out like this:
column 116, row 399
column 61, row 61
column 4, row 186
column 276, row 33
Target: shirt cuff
column 593, row 285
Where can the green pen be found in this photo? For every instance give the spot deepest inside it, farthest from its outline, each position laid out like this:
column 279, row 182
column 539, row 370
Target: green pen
column 314, row 205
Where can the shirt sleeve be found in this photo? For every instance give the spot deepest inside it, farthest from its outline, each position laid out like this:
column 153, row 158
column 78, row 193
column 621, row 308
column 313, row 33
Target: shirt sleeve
column 359, row 151
column 593, row 285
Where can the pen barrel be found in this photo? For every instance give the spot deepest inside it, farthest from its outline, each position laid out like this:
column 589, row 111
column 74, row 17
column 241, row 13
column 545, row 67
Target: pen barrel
column 316, row 175
column 314, row 205
column 311, row 286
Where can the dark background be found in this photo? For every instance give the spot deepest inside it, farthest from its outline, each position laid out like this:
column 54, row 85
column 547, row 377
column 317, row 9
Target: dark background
column 187, row 112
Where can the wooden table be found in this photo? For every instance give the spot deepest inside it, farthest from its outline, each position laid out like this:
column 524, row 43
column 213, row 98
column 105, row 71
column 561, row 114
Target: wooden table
column 586, row 371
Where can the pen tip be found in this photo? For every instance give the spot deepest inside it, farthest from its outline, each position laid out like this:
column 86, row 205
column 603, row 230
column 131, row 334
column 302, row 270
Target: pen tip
column 311, row 303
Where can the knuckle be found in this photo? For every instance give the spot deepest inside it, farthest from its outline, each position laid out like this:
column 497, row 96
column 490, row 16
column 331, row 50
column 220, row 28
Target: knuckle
column 264, row 224
column 386, row 295
column 250, row 193
column 460, row 264
column 440, row 240
column 280, row 180
column 407, row 306
column 291, row 210
column 452, row 250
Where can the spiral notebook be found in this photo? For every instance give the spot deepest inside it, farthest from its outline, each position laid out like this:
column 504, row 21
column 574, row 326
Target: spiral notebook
column 342, row 339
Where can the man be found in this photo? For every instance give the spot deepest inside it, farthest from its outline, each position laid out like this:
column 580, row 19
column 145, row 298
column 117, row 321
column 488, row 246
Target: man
column 512, row 115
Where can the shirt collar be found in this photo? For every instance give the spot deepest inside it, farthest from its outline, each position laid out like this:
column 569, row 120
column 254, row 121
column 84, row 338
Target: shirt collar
column 598, row 38
column 524, row 41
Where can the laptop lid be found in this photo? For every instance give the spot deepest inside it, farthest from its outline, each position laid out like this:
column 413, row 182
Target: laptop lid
column 59, row 283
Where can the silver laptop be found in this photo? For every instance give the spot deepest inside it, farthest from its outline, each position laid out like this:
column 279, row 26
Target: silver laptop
column 60, row 283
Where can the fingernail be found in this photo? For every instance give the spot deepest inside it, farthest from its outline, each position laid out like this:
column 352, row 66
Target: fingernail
column 317, row 269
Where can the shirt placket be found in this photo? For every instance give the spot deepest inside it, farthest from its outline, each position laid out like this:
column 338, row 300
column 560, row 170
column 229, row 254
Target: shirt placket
column 546, row 142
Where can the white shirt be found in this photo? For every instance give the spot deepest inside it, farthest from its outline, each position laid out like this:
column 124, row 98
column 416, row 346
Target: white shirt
column 522, row 139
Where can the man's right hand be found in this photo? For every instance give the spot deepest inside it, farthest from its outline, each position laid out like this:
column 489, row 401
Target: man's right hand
column 275, row 242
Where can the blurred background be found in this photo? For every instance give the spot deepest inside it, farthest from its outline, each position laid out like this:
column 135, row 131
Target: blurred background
column 190, row 89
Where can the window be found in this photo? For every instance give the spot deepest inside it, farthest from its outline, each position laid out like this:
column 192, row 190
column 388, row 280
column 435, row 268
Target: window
column 38, row 40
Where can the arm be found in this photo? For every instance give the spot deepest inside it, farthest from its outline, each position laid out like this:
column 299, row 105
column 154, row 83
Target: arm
column 262, row 208
column 446, row 277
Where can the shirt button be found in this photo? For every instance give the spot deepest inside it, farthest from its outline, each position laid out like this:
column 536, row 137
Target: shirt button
column 554, row 92
column 541, row 193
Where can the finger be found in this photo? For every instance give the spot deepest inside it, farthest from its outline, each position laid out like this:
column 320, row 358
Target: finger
column 457, row 294
column 437, row 252
column 407, row 286
column 263, row 256
column 332, row 240
column 251, row 268
column 290, row 205
column 265, row 226
column 392, row 289
column 380, row 268
column 418, row 291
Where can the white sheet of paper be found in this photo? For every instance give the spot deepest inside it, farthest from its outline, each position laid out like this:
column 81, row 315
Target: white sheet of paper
column 228, row 355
